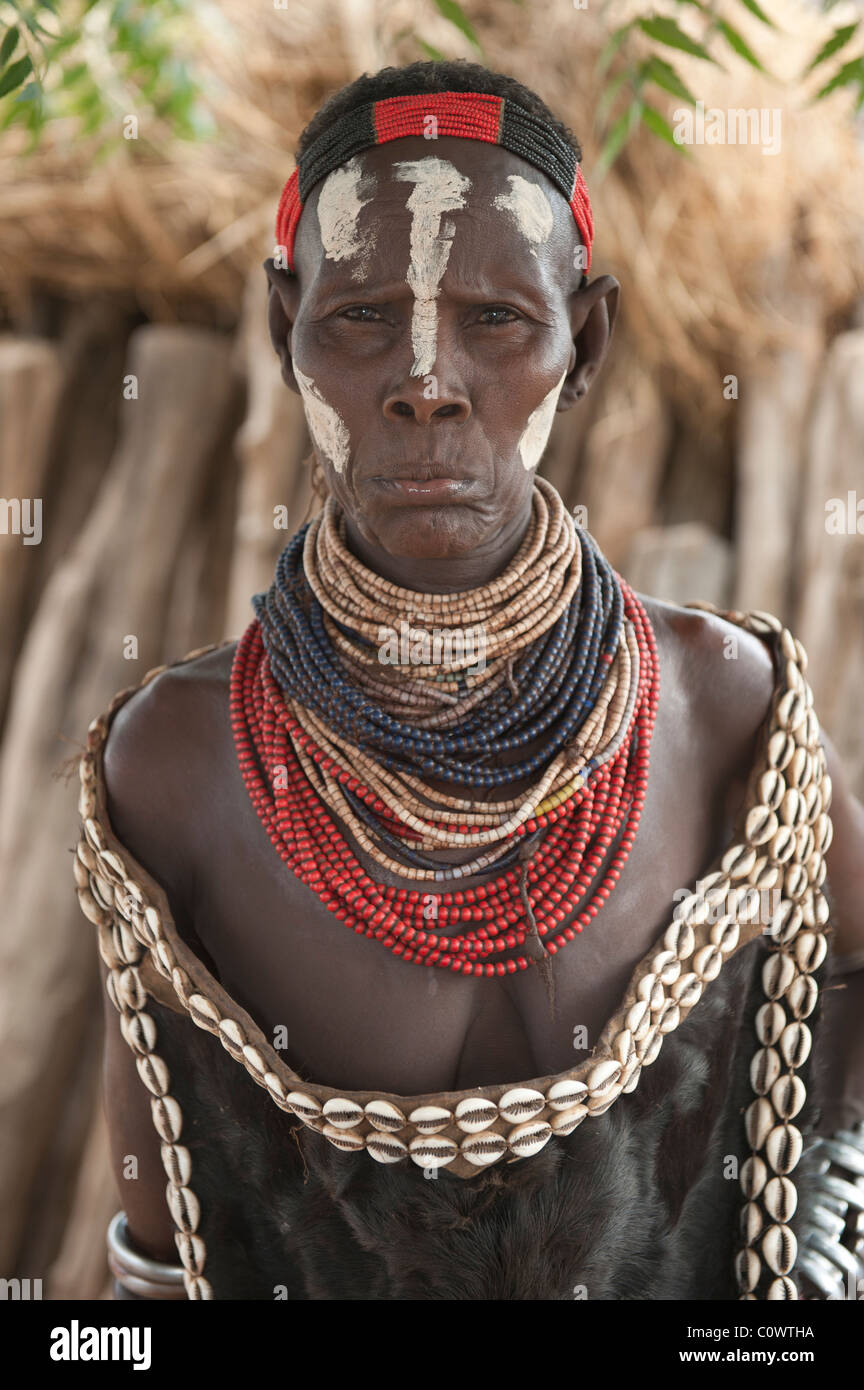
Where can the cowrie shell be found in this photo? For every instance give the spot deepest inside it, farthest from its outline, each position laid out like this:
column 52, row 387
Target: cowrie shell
column 795, row 1043
column 343, row 1138
column 475, row 1113
column 432, row 1151
column 342, row 1113
column 782, row 1287
column 386, row 1148
column 708, row 962
column 669, row 1016
column 815, row 909
column 666, row 966
column 748, row 1269
column 153, row 1073
column 738, row 860
column 781, row 1199
column 529, row 1138
column 779, row 1249
column 770, row 1022
column 786, row 922
column 565, row 1121
column 764, row 1070
column 680, row 940
column 795, row 884
column 810, row 950
column 783, row 1148
column 167, row 1118
column 521, row 1104
column 802, row 995
column 650, row 989
column 177, row 1162
column 761, row 824
column 185, row 1207
column 564, row 1094
column 725, row 934
column 751, row 1221
column 781, row 747
column 687, row 991
column 754, row 1175
column 638, row 1019
column 771, row 788
column 275, row 1087
column 788, row 1095
column 483, row 1149
column 305, row 1107
column 203, row 1011
column 384, row 1116
column 778, row 972
column 429, row 1119
column 758, row 1121
column 603, row 1076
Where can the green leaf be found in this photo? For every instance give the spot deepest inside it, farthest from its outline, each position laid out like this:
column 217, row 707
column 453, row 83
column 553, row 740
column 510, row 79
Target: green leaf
column 655, row 70
column 850, row 72
column 838, row 39
column 756, row 9
column 659, row 125
column 434, row 53
column 666, row 31
column 73, row 75
column 7, row 47
column 15, row 75
column 734, row 39
column 617, row 138
column 611, row 46
column 456, row 15
column 608, row 95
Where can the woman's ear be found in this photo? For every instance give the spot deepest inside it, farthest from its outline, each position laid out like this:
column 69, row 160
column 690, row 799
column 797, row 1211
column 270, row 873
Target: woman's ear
column 593, row 311
column 282, row 305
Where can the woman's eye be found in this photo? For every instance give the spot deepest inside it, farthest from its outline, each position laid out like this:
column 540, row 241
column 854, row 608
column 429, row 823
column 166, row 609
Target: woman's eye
column 498, row 314
column 361, row 313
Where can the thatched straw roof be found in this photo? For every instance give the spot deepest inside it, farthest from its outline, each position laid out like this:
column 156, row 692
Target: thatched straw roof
column 708, row 249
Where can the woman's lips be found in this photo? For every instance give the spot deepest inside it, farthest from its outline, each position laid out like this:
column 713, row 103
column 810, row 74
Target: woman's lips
column 426, row 489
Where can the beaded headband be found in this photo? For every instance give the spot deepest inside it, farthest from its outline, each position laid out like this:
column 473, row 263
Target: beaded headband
column 467, row 115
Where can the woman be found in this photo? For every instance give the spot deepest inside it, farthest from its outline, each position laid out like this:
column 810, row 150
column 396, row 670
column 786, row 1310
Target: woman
column 443, row 730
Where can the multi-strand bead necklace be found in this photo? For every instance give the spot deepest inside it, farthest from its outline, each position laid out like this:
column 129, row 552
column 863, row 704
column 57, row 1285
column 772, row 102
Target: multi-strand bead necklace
column 344, row 750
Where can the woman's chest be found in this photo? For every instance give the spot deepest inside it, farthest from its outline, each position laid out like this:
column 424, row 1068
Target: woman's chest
column 346, row 1012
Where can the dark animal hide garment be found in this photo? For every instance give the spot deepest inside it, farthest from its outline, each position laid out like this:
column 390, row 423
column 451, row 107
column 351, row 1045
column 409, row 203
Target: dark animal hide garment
column 640, row 1203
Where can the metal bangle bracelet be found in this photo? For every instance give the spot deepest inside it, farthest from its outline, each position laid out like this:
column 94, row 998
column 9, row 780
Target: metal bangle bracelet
column 138, row 1273
column 831, row 1253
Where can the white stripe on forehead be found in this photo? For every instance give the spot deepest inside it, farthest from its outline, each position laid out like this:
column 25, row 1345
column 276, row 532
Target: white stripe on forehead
column 326, row 426
column 536, row 433
column 530, row 207
column 439, row 188
column 339, row 206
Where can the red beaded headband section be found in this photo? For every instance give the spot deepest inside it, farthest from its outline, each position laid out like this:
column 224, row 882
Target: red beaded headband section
column 467, row 115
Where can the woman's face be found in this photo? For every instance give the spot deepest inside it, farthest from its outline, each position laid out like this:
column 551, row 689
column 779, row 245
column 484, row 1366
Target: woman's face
column 434, row 327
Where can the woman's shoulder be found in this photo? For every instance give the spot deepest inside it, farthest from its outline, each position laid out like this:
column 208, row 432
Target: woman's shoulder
column 154, row 745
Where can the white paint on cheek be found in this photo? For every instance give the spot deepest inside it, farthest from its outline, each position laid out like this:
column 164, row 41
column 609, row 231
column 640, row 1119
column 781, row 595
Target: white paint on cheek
column 439, row 188
column 536, row 433
column 339, row 205
column 326, row 426
column 530, row 207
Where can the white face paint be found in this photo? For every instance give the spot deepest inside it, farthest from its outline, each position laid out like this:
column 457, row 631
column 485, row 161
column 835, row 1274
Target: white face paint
column 439, row 188
column 536, row 433
column 529, row 205
column 339, row 204
column 326, row 426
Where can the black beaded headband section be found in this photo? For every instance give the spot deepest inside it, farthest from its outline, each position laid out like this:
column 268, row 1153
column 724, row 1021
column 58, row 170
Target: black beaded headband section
column 467, row 115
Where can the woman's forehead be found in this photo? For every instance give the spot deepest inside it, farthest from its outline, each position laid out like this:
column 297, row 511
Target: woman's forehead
column 385, row 189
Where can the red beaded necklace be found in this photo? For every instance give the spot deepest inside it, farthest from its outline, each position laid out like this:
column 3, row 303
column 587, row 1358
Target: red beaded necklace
column 474, row 927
